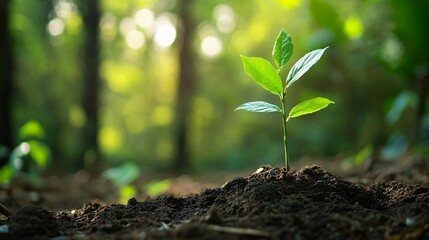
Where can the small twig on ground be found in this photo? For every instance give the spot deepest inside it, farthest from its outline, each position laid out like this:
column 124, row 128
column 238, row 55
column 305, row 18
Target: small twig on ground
column 5, row 211
column 239, row 231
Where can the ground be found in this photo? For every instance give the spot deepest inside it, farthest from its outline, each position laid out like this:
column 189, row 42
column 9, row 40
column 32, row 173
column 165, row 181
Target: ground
column 271, row 203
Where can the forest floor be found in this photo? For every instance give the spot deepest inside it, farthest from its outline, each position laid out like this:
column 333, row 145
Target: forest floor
column 389, row 202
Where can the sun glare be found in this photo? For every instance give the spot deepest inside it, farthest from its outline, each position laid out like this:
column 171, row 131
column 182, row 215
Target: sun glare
column 127, row 25
column 353, row 28
column 225, row 18
column 56, row 27
column 65, row 8
column 135, row 39
column 145, row 18
column 165, row 33
column 211, row 46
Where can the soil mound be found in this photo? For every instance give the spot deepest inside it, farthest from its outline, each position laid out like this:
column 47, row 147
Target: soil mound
column 271, row 203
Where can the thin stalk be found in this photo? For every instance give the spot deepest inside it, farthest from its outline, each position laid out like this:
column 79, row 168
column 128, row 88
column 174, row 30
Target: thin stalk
column 285, row 131
column 284, row 118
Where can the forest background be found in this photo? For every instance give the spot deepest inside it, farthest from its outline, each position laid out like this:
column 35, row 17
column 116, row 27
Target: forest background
column 154, row 84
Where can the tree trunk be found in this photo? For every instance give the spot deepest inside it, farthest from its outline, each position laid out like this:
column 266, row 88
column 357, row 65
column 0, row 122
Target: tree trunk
column 6, row 71
column 422, row 90
column 90, row 99
column 185, row 88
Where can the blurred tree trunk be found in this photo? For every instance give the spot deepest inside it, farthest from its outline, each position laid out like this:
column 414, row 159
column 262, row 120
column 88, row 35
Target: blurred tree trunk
column 185, row 88
column 422, row 89
column 410, row 18
column 90, row 99
column 6, row 71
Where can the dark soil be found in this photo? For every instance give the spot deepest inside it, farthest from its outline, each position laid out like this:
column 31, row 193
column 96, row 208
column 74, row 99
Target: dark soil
column 271, row 203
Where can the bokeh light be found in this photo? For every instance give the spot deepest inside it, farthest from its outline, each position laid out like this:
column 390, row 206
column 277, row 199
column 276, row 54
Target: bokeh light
column 65, row 8
column 211, row 46
column 135, row 39
column 165, row 33
column 56, row 27
column 145, row 18
column 127, row 25
column 353, row 27
column 108, row 26
column 110, row 139
column 225, row 18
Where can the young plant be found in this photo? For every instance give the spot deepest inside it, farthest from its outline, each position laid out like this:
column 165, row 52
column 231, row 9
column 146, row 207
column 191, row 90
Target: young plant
column 268, row 77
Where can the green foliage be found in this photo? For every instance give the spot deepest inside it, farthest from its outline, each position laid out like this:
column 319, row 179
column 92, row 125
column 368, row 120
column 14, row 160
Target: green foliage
column 40, row 153
column 263, row 73
column 365, row 74
column 259, row 106
column 30, row 129
column 309, row 106
column 404, row 100
column 30, row 156
column 156, row 188
column 123, row 174
column 32, row 134
column 283, row 49
column 268, row 77
column 303, row 65
column 6, row 173
column 359, row 159
column 361, row 156
column 126, row 192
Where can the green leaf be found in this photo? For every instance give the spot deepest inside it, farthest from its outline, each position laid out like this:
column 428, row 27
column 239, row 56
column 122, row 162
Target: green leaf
column 40, row 153
column 156, row 188
column 123, row 174
column 362, row 155
column 6, row 173
column 283, row 49
column 309, row 106
column 259, row 106
column 126, row 192
column 263, row 73
column 303, row 65
column 31, row 129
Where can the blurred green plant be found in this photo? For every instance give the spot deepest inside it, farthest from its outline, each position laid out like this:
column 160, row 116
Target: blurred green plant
column 156, row 188
column 125, row 174
column 122, row 176
column 358, row 160
column 268, row 77
column 29, row 157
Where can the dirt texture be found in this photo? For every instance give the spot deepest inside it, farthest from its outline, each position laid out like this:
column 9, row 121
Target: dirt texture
column 271, row 203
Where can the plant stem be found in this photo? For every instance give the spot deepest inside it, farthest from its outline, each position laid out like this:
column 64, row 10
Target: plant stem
column 5, row 211
column 285, row 131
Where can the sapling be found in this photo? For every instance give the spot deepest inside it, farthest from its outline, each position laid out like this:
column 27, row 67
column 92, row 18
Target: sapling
column 268, row 77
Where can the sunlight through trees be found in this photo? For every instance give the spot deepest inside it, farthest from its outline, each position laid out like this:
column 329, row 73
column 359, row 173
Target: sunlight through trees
column 157, row 81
